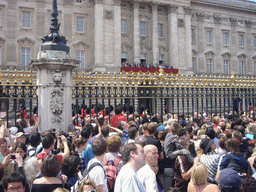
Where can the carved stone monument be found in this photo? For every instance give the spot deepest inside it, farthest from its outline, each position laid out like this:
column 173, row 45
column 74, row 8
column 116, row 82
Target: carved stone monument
column 54, row 78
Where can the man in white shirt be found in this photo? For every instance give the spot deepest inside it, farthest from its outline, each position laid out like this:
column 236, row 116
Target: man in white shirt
column 97, row 173
column 133, row 159
column 146, row 174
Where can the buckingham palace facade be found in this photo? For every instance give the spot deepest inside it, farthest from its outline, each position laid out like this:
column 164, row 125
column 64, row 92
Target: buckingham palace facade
column 194, row 36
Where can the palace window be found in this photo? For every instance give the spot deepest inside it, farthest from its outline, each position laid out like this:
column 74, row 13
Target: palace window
column 124, row 27
column 124, row 57
column 161, row 59
column 193, row 63
column 143, row 58
column 25, row 56
column 160, row 30
column 193, row 35
column 208, row 36
column 142, row 28
column 254, row 41
column 26, row 19
column 80, row 24
column 80, row 56
column 241, row 40
column 209, row 65
column 254, row 67
column 241, row 67
column 226, row 66
column 225, row 38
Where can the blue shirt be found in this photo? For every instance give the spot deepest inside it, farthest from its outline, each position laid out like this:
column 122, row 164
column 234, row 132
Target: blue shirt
column 87, row 153
column 238, row 159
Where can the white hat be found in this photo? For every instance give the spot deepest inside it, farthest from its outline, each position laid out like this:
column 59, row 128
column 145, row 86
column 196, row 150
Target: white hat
column 13, row 130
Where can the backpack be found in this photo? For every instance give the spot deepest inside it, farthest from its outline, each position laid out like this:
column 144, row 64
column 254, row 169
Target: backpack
column 75, row 187
column 111, row 171
column 234, row 166
column 31, row 152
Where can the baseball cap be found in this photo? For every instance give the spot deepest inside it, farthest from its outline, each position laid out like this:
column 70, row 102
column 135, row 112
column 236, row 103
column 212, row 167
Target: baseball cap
column 210, row 132
column 13, row 130
column 229, row 179
column 205, row 144
column 161, row 128
column 20, row 134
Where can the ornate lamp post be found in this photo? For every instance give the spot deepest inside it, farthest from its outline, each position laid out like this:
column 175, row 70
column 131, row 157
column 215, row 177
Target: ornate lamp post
column 54, row 78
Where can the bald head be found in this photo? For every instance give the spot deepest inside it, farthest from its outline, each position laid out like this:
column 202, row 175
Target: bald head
column 151, row 154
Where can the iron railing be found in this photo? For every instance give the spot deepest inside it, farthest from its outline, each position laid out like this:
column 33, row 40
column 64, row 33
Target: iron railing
column 157, row 93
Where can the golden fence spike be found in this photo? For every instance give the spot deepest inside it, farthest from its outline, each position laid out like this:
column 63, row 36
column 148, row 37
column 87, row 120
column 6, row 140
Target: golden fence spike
column 167, row 79
column 109, row 78
column 15, row 75
column 31, row 76
column 103, row 77
column 144, row 79
column 114, row 78
column 76, row 78
column 23, row 76
column 83, row 77
column 155, row 79
column 121, row 78
column 133, row 79
column 138, row 78
column 8, row 76
column 90, row 78
column 127, row 78
column 96, row 78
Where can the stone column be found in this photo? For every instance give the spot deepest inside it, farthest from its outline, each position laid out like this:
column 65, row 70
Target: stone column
column 136, row 32
column 98, row 35
column 173, row 36
column 201, row 42
column 188, row 64
column 155, row 44
column 117, row 31
column 54, row 81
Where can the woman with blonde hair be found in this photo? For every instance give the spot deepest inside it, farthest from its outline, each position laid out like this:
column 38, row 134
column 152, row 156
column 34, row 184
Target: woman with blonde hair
column 198, row 181
column 87, row 185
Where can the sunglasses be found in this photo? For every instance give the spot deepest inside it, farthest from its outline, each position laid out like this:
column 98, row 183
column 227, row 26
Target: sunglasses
column 93, row 190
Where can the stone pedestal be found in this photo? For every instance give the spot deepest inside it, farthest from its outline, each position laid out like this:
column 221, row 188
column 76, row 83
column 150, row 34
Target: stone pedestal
column 54, row 81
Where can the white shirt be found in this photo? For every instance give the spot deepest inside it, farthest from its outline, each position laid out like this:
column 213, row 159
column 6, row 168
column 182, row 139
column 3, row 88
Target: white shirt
column 97, row 174
column 148, row 178
column 128, row 181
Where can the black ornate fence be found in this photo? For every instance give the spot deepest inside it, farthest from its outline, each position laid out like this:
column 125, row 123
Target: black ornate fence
column 158, row 93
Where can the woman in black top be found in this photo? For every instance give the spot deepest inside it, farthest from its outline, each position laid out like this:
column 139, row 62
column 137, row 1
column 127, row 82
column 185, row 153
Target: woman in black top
column 50, row 169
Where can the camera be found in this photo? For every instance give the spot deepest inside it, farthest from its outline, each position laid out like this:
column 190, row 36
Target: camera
column 13, row 157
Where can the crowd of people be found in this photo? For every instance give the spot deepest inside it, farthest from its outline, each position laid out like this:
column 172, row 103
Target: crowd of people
column 123, row 152
column 143, row 64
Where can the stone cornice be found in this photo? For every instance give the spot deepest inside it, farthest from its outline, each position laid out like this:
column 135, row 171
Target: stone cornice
column 233, row 21
column 154, row 7
column 248, row 23
column 80, row 43
column 199, row 16
column 246, row 6
column 226, row 54
column 217, row 19
column 241, row 56
column 187, row 10
column 209, row 54
column 172, row 8
column 117, row 2
column 26, row 40
column 98, row 1
column 136, row 4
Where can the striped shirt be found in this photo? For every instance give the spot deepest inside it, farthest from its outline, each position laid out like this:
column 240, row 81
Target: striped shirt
column 211, row 161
